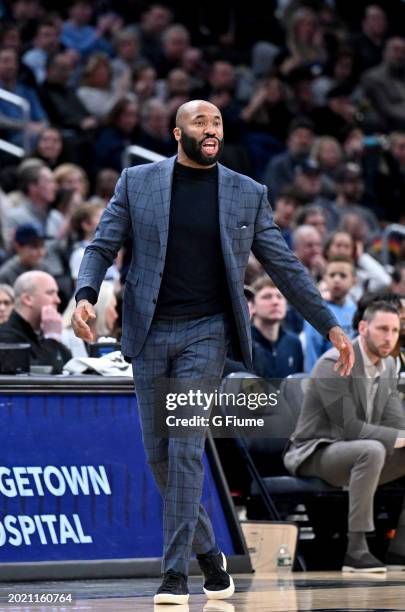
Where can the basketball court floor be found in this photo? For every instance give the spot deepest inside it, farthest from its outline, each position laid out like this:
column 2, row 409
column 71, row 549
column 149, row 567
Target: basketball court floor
column 264, row 593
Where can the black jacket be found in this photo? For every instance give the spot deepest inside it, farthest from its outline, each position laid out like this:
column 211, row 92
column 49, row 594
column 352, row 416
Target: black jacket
column 44, row 351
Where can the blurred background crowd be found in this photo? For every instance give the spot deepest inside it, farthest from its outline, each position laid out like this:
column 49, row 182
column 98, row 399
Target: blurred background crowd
column 312, row 95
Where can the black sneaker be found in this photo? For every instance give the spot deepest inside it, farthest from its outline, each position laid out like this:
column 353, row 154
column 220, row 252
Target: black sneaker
column 173, row 589
column 218, row 583
column 395, row 562
column 363, row 564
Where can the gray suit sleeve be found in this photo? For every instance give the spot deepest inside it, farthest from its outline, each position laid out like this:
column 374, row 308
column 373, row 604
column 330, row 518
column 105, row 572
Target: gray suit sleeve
column 114, row 227
column 287, row 272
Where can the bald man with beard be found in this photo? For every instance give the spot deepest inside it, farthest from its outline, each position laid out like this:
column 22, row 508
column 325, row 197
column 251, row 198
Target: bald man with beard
column 193, row 223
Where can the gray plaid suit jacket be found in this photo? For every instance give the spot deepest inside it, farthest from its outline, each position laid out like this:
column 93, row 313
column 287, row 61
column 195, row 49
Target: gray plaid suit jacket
column 140, row 207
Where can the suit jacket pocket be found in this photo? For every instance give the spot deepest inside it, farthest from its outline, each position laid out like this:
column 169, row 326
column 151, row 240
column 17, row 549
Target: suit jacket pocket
column 242, row 237
column 132, row 280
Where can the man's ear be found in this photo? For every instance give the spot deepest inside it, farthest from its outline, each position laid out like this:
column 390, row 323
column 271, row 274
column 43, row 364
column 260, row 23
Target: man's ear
column 362, row 327
column 26, row 299
column 177, row 133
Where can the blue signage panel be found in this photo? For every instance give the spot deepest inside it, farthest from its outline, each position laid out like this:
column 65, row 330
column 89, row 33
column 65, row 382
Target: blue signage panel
column 74, row 484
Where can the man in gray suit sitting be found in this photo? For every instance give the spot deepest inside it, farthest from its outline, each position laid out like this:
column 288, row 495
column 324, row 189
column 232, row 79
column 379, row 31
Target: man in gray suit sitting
column 193, row 223
column 351, row 433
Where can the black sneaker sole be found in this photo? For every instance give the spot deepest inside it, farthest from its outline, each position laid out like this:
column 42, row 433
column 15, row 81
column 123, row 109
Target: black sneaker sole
column 225, row 593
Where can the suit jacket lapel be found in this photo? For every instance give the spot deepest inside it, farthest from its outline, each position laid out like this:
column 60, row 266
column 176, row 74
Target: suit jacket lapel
column 359, row 376
column 161, row 196
column 228, row 203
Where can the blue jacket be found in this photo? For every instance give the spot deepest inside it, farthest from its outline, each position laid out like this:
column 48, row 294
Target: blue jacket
column 276, row 359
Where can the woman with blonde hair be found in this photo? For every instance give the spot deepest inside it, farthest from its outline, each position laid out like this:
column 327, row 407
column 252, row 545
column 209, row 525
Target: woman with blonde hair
column 97, row 91
column 327, row 151
column 6, row 302
column 304, row 40
column 72, row 176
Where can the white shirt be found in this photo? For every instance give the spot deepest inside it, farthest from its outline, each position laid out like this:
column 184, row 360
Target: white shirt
column 372, row 372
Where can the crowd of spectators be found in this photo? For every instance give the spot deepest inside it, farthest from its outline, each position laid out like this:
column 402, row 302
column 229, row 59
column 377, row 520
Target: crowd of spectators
column 313, row 101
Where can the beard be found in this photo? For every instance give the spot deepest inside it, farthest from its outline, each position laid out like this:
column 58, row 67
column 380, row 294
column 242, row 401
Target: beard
column 373, row 348
column 193, row 149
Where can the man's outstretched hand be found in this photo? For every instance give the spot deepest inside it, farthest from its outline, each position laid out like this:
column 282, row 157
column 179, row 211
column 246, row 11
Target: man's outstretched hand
column 83, row 312
column 344, row 345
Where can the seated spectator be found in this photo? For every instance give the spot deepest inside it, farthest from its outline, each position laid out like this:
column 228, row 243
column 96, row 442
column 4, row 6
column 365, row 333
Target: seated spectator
column 384, row 165
column 277, row 353
column 194, row 64
column 307, row 180
column 386, row 295
column 175, row 42
column 9, row 81
column 37, row 185
column 385, row 87
column 50, row 147
column 339, row 244
column 60, row 99
column 97, row 92
column 154, row 133
column 6, row 302
column 117, row 132
column 78, row 33
column 329, row 154
column 307, row 245
column 368, row 45
column 338, row 113
column 370, row 274
column 10, row 36
column 144, row 82
column 102, row 326
column 127, row 49
column 176, row 90
column 340, row 70
column 155, row 19
column 267, row 118
column 349, row 196
column 285, row 207
column 65, row 203
column 351, row 433
column 313, row 215
column 304, row 41
column 72, row 176
column 267, row 110
column 35, row 320
column 29, row 245
column 45, row 43
column 339, row 278
column 84, row 222
column 280, row 169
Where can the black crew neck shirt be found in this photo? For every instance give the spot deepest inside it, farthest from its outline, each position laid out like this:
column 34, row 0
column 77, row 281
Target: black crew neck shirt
column 194, row 281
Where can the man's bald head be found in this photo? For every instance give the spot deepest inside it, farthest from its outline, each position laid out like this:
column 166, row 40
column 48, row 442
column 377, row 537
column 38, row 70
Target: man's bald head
column 28, row 282
column 194, row 107
column 34, row 290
